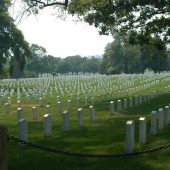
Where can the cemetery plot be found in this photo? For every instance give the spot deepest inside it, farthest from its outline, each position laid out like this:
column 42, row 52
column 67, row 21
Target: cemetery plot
column 87, row 114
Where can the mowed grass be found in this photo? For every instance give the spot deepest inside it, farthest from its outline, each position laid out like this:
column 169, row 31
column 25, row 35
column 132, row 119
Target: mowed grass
column 105, row 136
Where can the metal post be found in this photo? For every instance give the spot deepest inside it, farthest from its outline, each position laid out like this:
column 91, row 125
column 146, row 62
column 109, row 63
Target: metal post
column 3, row 147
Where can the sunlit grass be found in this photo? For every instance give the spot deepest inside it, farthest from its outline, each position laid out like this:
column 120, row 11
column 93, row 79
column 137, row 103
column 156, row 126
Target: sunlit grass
column 105, row 136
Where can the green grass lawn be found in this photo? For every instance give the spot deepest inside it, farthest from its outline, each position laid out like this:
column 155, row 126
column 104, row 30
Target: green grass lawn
column 105, row 136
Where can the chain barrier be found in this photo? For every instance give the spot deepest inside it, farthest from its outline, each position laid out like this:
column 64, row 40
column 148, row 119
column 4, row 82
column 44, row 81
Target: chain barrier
column 53, row 150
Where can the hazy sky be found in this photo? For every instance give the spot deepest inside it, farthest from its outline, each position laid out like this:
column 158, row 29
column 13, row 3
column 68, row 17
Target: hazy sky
column 63, row 38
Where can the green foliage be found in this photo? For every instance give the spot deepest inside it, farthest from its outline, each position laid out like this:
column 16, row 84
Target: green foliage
column 12, row 43
column 41, row 63
column 111, row 16
column 116, row 16
column 121, row 56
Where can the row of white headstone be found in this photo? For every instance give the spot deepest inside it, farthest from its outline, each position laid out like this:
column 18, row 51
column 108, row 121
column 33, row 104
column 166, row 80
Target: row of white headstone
column 121, row 104
column 23, row 124
column 158, row 121
column 162, row 117
column 40, row 93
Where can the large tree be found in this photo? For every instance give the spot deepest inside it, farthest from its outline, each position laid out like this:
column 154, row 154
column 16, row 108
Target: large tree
column 110, row 16
column 144, row 17
column 120, row 56
column 13, row 47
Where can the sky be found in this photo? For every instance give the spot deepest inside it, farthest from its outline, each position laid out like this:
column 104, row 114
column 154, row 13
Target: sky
column 63, row 37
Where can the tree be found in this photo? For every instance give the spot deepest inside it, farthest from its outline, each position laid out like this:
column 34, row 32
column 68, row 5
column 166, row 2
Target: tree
column 121, row 56
column 142, row 17
column 90, row 65
column 111, row 16
column 113, row 57
column 75, row 62
column 34, row 64
column 13, row 47
column 64, row 67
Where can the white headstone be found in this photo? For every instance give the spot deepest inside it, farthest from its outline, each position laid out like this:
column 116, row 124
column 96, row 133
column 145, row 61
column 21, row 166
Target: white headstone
column 105, row 97
column 91, row 113
column 99, row 99
column 86, row 101
column 28, row 98
column 9, row 100
column 140, row 99
column 142, row 130
column 23, row 129
column 65, row 121
column 119, row 105
column 19, row 104
column 69, row 105
column 166, row 115
column 130, row 101
column 80, row 117
column 20, row 113
column 125, row 104
column 130, row 133
column 34, row 113
column 153, row 122
column 6, row 108
column 78, row 103
column 59, row 107
column 48, row 109
column 40, row 102
column 47, row 125
column 111, row 107
column 160, row 118
column 136, row 100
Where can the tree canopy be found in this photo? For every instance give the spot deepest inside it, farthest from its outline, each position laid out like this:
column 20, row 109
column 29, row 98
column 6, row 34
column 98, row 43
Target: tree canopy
column 122, row 57
column 41, row 62
column 142, row 17
column 13, row 48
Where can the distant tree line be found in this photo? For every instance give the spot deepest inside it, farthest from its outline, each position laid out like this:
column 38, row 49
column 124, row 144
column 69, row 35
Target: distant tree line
column 120, row 56
column 41, row 62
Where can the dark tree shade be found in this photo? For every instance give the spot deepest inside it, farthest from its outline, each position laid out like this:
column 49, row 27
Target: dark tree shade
column 13, row 47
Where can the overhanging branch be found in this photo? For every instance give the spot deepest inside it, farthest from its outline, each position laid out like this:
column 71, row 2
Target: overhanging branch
column 47, row 4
